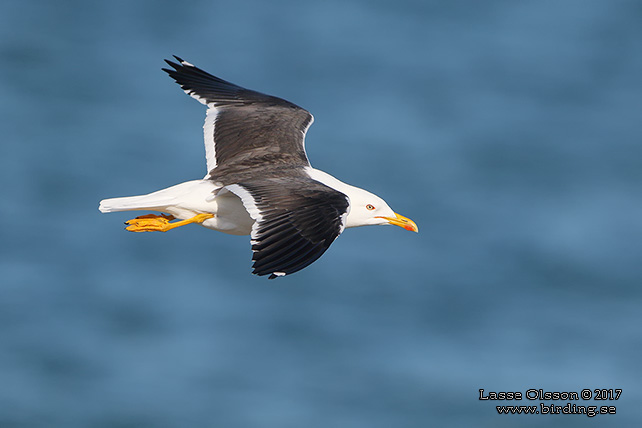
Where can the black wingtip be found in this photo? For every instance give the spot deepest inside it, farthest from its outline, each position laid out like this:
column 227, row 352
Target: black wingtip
column 171, row 64
column 176, row 66
column 211, row 89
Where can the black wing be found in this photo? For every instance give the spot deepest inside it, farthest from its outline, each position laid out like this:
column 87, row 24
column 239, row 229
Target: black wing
column 246, row 127
column 296, row 221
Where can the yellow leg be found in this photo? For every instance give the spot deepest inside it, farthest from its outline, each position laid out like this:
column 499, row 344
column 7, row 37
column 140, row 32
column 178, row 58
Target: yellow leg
column 161, row 223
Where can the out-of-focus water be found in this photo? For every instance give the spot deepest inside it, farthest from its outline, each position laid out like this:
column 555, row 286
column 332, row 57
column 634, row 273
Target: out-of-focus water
column 509, row 131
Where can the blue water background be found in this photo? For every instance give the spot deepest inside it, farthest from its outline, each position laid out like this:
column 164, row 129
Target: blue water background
column 510, row 131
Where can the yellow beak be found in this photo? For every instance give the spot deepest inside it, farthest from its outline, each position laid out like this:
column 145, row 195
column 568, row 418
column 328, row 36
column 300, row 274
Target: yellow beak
column 402, row 221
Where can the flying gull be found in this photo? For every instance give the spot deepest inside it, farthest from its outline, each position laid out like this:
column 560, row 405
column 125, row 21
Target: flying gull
column 259, row 181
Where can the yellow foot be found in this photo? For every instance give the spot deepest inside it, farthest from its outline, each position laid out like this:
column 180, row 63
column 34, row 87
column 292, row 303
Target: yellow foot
column 161, row 223
column 167, row 216
column 149, row 223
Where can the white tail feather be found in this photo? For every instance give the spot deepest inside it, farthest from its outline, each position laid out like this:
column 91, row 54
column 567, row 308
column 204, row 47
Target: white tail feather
column 156, row 201
column 129, row 204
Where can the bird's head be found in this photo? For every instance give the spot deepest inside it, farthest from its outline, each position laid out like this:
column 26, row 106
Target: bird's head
column 367, row 209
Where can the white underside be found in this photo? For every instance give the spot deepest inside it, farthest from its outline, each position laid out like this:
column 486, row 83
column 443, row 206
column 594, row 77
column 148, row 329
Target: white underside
column 188, row 199
column 234, row 209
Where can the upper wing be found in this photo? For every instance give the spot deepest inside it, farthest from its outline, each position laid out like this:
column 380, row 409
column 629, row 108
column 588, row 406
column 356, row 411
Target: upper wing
column 295, row 221
column 243, row 125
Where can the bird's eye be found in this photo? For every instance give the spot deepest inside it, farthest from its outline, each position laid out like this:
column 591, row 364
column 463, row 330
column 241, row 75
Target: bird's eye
column 370, row 207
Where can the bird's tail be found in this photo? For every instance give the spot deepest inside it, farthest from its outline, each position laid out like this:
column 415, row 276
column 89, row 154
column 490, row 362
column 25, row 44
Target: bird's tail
column 131, row 203
column 156, row 201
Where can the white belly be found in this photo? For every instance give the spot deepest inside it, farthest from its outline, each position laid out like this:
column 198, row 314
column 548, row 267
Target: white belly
column 230, row 216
